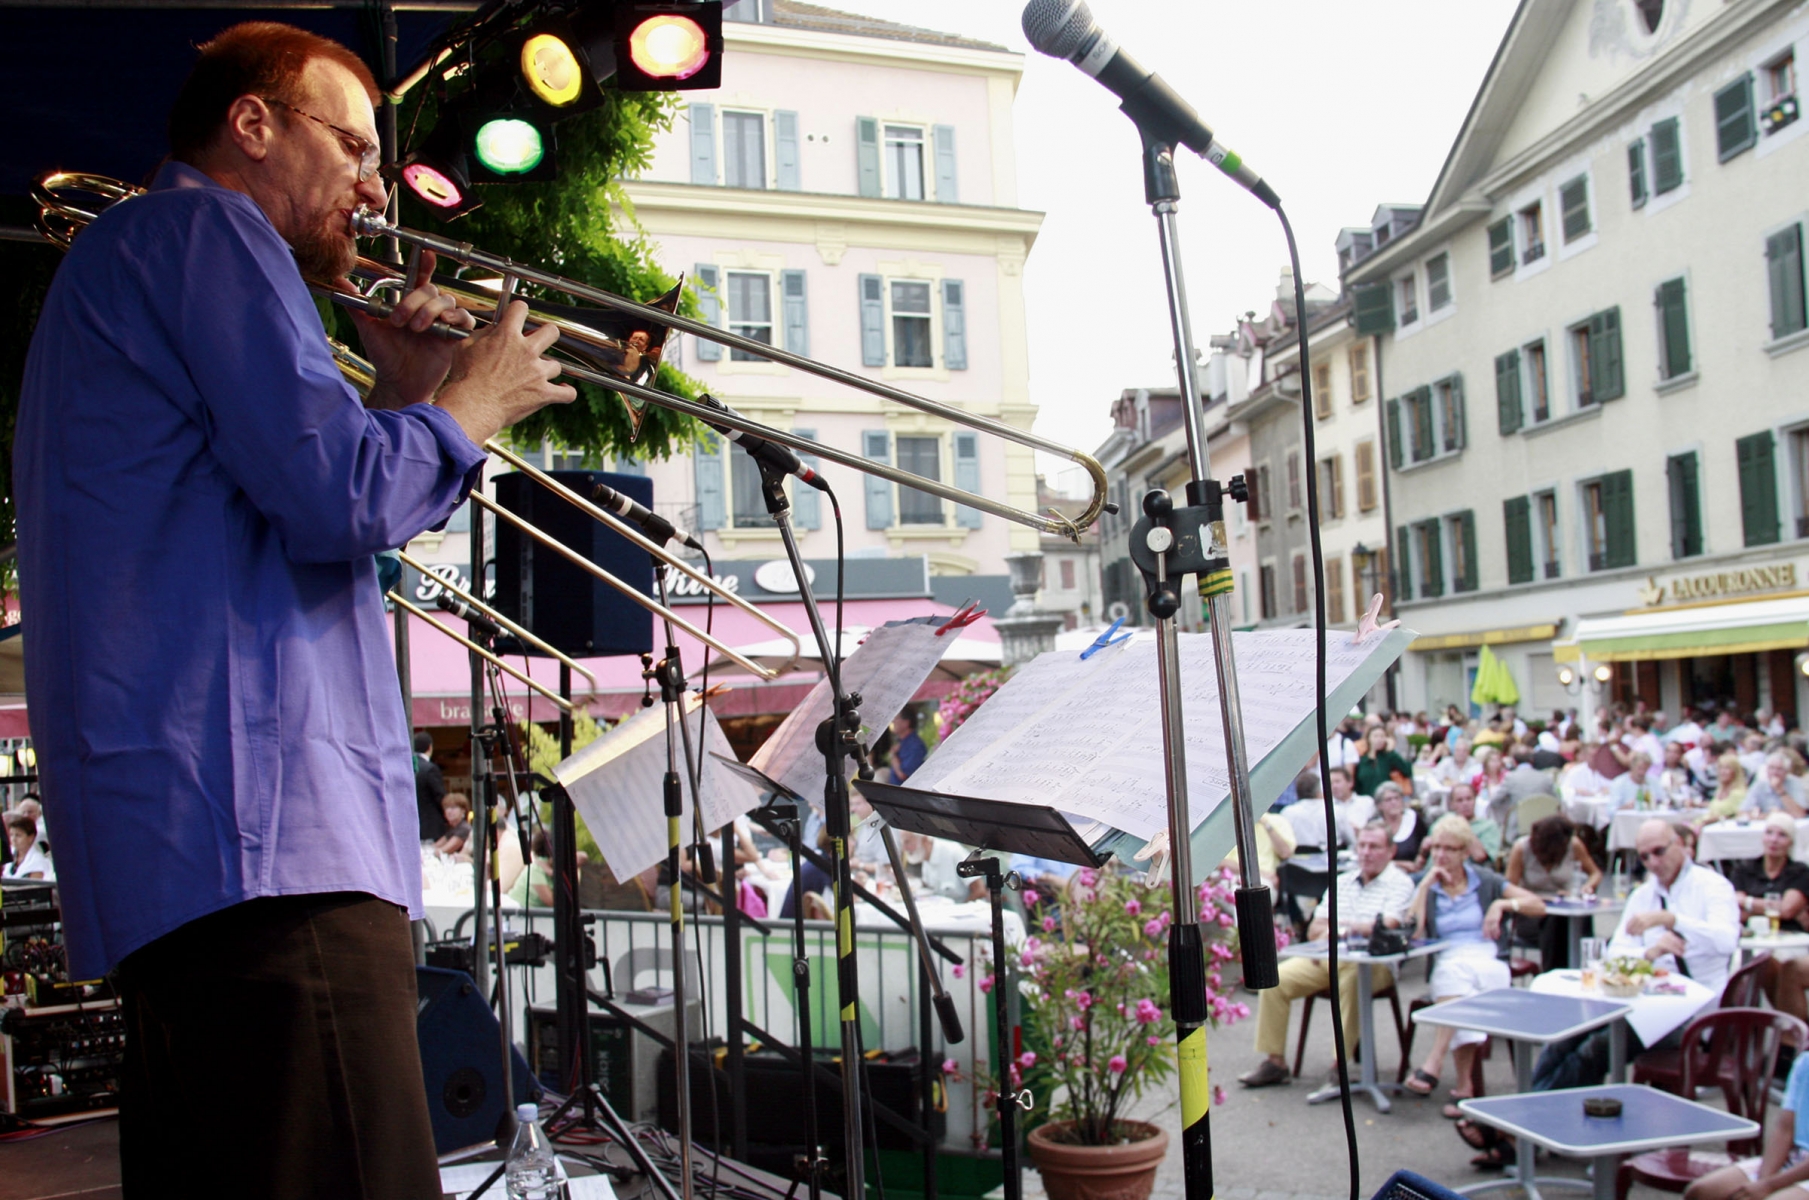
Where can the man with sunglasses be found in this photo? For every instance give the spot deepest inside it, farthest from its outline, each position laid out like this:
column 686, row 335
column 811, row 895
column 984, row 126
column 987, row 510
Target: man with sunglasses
column 219, row 731
column 1684, row 917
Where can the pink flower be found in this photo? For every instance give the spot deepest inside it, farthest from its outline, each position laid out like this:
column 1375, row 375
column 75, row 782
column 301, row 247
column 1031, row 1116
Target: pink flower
column 1030, row 896
column 1083, row 999
column 1133, row 906
column 959, row 971
column 1028, row 959
column 1218, row 1095
column 1057, row 1040
column 1152, row 927
column 1027, row 1059
column 1154, row 1040
column 1117, row 1064
column 1226, row 920
column 1076, row 1024
column 986, row 984
column 950, row 1067
column 1147, row 1012
column 1088, row 877
column 1048, row 924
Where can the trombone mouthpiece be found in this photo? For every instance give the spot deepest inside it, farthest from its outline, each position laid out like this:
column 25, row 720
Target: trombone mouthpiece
column 368, row 222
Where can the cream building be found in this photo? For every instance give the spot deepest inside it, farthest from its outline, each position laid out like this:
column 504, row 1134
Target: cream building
column 1597, row 400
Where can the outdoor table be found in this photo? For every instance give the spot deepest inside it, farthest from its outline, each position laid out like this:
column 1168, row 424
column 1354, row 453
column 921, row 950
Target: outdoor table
column 1725, row 841
column 1580, row 914
column 1531, row 1019
column 1368, row 1081
column 1593, row 811
column 1649, row 1015
column 1773, row 942
column 1649, row 1120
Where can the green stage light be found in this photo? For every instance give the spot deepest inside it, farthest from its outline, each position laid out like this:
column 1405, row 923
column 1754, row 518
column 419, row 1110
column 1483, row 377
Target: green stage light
column 510, row 146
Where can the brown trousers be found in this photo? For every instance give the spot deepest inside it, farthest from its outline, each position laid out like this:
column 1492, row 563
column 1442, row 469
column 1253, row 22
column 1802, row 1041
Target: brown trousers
column 270, row 1052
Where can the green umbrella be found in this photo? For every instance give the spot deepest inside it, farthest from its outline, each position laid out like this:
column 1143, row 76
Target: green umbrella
column 1494, row 685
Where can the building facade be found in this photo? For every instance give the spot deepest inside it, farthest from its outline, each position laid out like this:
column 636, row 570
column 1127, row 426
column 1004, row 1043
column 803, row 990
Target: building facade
column 1597, row 415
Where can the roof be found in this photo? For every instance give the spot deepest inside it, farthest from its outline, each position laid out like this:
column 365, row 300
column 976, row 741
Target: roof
column 790, row 14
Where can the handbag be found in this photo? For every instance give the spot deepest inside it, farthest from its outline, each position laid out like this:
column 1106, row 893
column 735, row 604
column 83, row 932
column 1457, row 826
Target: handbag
column 1385, row 940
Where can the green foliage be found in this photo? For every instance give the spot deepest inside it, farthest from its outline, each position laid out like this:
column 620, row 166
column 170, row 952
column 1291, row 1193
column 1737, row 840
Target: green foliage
column 543, row 756
column 582, row 225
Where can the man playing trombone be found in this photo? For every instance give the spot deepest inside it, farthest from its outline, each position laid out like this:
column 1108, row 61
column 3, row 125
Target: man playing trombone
column 224, row 754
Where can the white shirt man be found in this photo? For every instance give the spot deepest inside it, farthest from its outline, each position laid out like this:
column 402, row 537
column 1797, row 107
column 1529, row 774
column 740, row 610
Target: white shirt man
column 1458, row 766
column 1683, row 916
column 1686, row 731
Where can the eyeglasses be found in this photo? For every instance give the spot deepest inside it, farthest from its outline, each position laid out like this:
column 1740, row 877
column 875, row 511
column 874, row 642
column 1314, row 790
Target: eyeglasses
column 367, row 152
column 1651, row 855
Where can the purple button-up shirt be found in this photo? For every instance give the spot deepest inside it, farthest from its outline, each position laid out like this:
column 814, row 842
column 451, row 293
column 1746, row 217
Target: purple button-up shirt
column 213, row 697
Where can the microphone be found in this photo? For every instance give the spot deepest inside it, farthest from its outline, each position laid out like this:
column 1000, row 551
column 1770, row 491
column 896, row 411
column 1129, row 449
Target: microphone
column 780, row 458
column 448, row 602
column 657, row 528
column 1066, row 29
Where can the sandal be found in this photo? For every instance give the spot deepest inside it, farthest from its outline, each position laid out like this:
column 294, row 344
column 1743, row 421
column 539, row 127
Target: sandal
column 1495, row 1157
column 1421, row 1082
column 1450, row 1111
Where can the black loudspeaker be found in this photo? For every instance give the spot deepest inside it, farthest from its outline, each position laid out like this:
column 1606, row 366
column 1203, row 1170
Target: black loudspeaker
column 460, row 1063
column 551, row 596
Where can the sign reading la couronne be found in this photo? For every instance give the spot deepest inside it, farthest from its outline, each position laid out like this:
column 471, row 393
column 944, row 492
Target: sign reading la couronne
column 1778, row 577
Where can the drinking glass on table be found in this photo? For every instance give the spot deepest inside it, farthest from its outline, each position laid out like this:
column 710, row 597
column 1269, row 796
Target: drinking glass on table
column 1591, row 950
column 1774, row 905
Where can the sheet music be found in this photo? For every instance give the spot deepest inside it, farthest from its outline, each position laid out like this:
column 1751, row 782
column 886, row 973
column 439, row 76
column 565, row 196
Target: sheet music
column 1086, row 737
column 618, row 785
column 887, row 668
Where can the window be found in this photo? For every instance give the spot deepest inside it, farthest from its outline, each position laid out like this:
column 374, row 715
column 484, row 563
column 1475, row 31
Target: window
column 1784, row 269
column 1595, row 351
column 1265, row 499
column 1438, row 282
column 1428, row 549
column 1359, row 373
column 1266, row 590
column 1369, row 575
column 1758, row 489
column 1667, row 157
column 911, row 324
column 1517, row 523
column 1322, row 390
column 1366, row 476
column 1410, row 305
column 1450, row 393
column 744, row 149
column 1460, row 531
column 920, row 456
column 1673, row 330
column 1608, row 521
column 1536, row 387
column 1545, row 506
column 904, row 162
column 1334, row 591
column 749, row 509
column 1532, row 234
column 1735, row 129
column 1636, row 172
column 1302, row 594
column 1294, row 482
column 1799, row 469
column 1780, row 92
column 1331, row 488
column 1686, row 505
column 1573, row 206
column 750, row 310
column 1067, row 574
column 1419, row 418
column 1433, row 426
column 1501, row 248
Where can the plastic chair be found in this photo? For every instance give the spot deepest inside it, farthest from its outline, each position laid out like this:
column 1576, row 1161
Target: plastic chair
column 1306, row 1018
column 1405, row 1185
column 1663, row 1069
column 1536, row 808
column 1736, row 1048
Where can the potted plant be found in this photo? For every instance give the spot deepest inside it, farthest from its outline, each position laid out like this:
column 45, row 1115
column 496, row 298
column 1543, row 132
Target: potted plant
column 1097, row 1031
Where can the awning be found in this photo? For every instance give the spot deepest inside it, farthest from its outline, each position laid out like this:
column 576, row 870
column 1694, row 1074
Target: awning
column 1486, row 637
column 1747, row 627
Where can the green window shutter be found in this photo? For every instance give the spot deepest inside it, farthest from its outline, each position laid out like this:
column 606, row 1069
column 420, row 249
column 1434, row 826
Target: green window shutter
column 1674, row 325
column 1468, row 582
column 1432, row 573
column 866, row 155
column 1636, row 172
column 1735, row 127
column 967, row 477
column 1686, row 508
column 1374, row 308
column 1573, row 203
column 873, row 320
column 954, row 324
column 876, row 446
column 1507, row 392
column 797, row 312
column 1394, row 434
column 1607, row 379
column 1517, row 519
column 946, row 190
column 1423, row 446
column 1458, row 435
column 1501, row 248
column 806, row 501
column 708, row 462
column 703, row 143
column 1667, row 157
column 785, row 151
column 1617, row 513
column 1758, row 489
column 1784, row 268
column 1403, row 563
column 709, row 303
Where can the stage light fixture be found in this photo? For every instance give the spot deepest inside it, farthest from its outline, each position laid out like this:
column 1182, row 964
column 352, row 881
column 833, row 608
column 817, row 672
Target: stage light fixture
column 509, row 145
column 439, row 174
column 550, row 67
column 669, row 45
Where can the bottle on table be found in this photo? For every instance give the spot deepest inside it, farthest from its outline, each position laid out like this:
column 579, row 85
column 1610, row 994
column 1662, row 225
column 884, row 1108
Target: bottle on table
column 532, row 1170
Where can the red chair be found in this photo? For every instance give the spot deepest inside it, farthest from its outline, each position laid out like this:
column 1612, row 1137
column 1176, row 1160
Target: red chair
column 1663, row 1069
column 1386, row 992
column 1736, row 1048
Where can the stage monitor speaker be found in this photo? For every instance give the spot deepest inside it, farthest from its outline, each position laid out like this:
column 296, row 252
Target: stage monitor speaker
column 460, row 1063
column 551, row 596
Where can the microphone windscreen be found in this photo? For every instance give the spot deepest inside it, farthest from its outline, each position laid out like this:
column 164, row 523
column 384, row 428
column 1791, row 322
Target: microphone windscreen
column 1059, row 28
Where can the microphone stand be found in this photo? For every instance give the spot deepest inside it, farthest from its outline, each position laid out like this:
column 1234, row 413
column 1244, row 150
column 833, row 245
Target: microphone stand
column 836, row 739
column 1166, row 544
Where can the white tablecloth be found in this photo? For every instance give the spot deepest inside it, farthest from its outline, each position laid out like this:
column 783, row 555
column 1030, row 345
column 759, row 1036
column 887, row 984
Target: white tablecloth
column 1623, row 831
column 1725, row 840
column 1652, row 1016
column 1593, row 811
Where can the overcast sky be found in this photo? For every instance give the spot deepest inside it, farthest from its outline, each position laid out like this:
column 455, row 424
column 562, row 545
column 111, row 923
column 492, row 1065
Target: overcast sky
column 1340, row 104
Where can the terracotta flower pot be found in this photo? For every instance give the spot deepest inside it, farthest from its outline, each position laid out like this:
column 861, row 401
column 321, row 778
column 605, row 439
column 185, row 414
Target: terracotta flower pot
column 1126, row 1171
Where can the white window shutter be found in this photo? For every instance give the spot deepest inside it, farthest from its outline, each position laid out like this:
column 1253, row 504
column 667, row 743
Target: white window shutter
column 866, row 155
column 873, row 321
column 785, row 151
column 954, row 324
column 709, row 301
column 708, row 468
column 806, row 501
column 967, row 477
column 797, row 312
column 703, row 143
column 946, row 190
column 876, row 445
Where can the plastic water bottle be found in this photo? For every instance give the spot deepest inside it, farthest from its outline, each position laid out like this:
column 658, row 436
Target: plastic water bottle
column 532, row 1171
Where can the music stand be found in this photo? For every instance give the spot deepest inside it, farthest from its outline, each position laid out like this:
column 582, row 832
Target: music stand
column 1035, row 830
